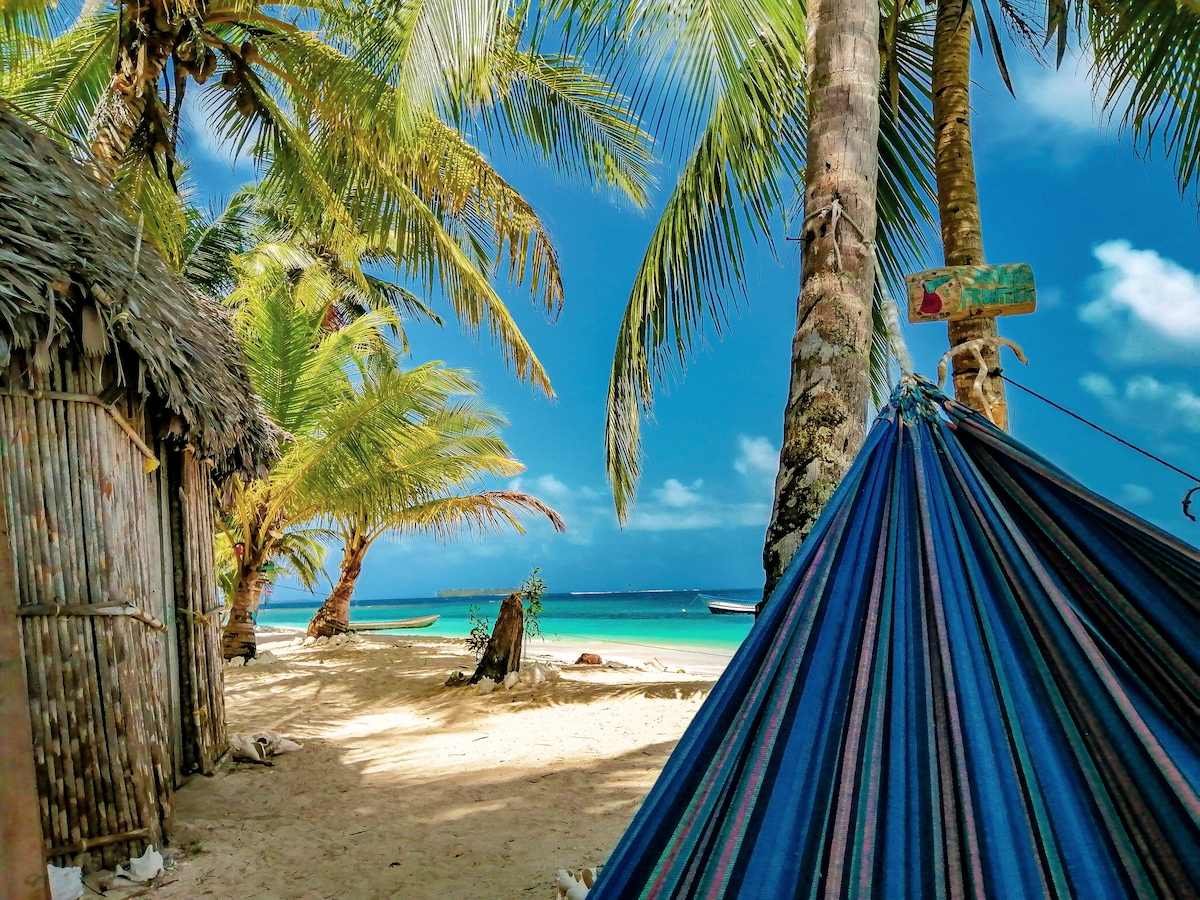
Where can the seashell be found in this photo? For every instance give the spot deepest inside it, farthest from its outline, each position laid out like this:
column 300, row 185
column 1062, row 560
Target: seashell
column 148, row 865
column 569, row 886
column 65, row 883
column 485, row 686
column 511, row 680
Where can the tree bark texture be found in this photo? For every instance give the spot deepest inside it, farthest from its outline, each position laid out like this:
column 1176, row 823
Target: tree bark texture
column 334, row 615
column 958, row 195
column 825, row 419
column 149, row 35
column 238, row 638
column 503, row 652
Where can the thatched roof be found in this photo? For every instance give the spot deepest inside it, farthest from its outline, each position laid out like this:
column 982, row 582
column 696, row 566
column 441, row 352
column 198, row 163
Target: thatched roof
column 70, row 263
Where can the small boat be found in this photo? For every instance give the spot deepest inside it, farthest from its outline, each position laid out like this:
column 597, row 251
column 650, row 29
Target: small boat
column 721, row 607
column 418, row 622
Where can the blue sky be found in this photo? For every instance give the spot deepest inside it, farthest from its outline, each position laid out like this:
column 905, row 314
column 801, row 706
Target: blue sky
column 1116, row 255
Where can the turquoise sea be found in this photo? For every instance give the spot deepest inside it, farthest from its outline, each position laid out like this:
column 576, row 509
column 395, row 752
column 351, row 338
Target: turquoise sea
column 667, row 620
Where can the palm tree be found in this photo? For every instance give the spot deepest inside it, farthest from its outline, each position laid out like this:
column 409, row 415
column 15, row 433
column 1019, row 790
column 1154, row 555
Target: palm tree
column 444, row 516
column 352, row 117
column 727, row 82
column 339, row 399
column 416, row 488
column 1146, row 66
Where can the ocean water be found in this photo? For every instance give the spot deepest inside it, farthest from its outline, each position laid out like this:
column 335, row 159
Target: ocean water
column 666, row 620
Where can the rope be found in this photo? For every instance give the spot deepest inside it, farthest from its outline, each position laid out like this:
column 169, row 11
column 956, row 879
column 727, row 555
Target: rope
column 891, row 320
column 836, row 213
column 1187, row 499
column 975, row 348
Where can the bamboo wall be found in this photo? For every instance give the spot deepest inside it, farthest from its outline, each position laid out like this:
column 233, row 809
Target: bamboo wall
column 199, row 620
column 113, row 568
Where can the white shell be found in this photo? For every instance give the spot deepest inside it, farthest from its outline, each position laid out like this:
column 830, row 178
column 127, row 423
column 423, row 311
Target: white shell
column 146, row 866
column 485, row 686
column 569, row 886
column 511, row 680
column 65, row 883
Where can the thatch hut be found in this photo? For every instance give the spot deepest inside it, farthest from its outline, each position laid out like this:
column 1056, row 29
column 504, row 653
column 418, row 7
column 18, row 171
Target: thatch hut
column 122, row 397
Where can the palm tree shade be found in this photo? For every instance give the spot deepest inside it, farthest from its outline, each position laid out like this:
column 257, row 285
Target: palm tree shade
column 977, row 680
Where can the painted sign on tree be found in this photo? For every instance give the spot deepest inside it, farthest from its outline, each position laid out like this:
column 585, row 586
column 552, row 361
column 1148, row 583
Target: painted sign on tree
column 960, row 292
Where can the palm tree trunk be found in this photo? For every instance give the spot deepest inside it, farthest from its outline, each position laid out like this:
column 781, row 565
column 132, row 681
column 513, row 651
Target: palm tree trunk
column 238, row 638
column 503, row 652
column 825, row 419
column 958, row 195
column 148, row 39
column 334, row 615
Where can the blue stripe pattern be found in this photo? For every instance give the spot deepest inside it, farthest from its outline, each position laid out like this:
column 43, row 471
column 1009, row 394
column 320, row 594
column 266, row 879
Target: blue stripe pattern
column 977, row 680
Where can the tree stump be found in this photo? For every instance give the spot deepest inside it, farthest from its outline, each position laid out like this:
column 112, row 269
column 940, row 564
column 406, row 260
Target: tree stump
column 503, row 652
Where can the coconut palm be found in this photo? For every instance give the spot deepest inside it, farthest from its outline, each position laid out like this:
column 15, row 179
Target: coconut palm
column 338, row 422
column 726, row 82
column 417, row 488
column 1146, row 68
column 351, row 115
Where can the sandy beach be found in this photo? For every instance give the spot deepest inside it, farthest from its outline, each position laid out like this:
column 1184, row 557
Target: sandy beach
column 408, row 789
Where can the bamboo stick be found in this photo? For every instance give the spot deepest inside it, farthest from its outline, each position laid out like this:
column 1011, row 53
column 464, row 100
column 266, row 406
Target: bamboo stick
column 73, row 787
column 91, row 843
column 22, row 511
column 109, row 770
column 80, row 472
column 49, row 512
column 57, row 832
column 100, row 585
column 92, row 609
column 121, row 421
column 126, row 814
column 72, row 802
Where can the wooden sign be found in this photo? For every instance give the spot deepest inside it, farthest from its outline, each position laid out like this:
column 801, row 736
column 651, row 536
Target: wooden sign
column 960, row 292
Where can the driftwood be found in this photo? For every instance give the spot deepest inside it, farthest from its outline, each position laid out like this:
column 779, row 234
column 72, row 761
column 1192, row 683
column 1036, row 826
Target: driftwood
column 503, row 652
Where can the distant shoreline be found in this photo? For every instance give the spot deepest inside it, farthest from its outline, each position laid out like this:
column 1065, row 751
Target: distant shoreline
column 692, row 661
column 475, row 592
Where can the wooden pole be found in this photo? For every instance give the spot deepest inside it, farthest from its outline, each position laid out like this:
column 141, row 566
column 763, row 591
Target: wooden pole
column 22, row 865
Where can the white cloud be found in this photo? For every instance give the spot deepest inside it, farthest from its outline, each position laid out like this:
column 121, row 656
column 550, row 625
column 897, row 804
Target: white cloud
column 550, row 486
column 1135, row 495
column 1062, row 95
column 580, row 508
column 679, row 507
column 201, row 139
column 1098, row 385
column 676, row 496
column 1055, row 113
column 1148, row 402
column 758, row 460
column 1147, row 307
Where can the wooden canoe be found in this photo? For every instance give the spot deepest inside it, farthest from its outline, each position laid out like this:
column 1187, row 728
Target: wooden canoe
column 418, row 622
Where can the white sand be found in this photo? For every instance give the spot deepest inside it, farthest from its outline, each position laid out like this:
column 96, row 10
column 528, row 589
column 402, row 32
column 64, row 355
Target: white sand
column 409, row 789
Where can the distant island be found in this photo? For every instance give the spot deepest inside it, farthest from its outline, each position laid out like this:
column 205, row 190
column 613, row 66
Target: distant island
column 479, row 592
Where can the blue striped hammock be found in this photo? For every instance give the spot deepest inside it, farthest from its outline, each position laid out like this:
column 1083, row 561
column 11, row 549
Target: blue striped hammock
column 977, row 679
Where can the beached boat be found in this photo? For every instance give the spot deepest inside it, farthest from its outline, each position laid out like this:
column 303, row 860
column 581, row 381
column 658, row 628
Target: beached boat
column 721, row 607
column 418, row 622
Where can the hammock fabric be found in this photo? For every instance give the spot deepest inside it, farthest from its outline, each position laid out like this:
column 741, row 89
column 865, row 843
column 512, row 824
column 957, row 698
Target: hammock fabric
column 977, row 679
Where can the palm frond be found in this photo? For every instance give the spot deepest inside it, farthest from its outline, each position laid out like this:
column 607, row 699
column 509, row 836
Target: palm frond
column 1147, row 54
column 573, row 118
column 215, row 238
column 62, row 82
column 482, row 513
column 745, row 167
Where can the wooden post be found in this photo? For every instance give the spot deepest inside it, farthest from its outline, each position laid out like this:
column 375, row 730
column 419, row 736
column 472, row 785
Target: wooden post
column 22, row 864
